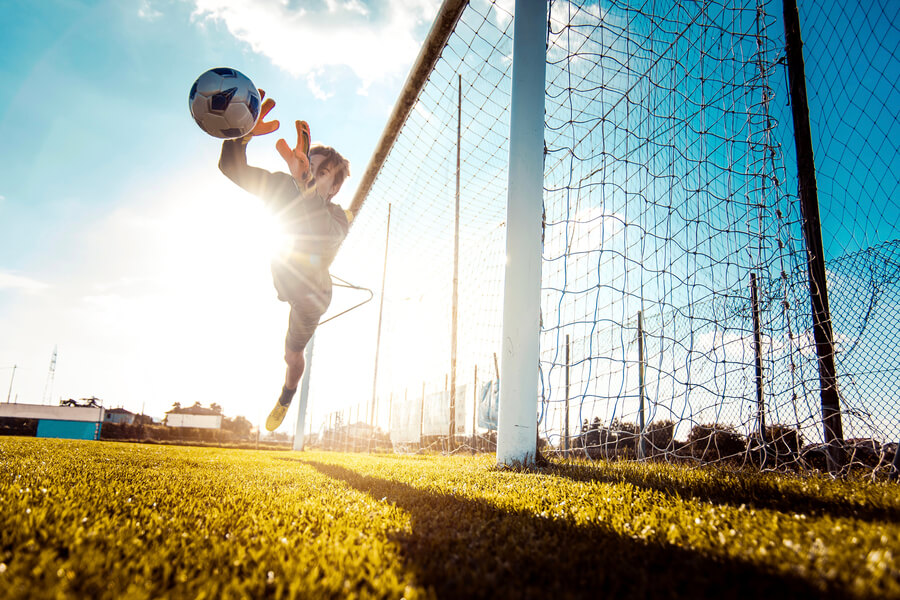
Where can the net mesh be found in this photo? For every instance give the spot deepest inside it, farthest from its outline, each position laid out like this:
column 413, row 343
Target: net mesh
column 670, row 192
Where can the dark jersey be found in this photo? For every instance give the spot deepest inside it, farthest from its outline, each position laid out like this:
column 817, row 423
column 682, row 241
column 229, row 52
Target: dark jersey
column 318, row 226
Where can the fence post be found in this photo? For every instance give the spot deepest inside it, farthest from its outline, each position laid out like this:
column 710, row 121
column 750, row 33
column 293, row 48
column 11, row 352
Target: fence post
column 387, row 238
column 757, row 342
column 812, row 234
column 566, row 412
column 454, row 319
column 474, row 405
column 641, row 449
column 422, row 419
column 446, row 379
column 895, row 465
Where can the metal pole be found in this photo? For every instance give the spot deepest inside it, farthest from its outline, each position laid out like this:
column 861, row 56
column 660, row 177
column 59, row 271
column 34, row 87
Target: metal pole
column 474, row 405
column 387, row 237
column 422, row 418
column 566, row 422
column 757, row 342
column 391, row 411
column 304, row 395
column 895, row 466
column 642, row 449
column 809, row 207
column 517, row 427
column 455, row 299
column 11, row 379
column 446, row 377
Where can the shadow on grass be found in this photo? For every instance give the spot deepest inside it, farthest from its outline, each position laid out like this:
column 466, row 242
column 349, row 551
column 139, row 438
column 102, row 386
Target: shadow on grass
column 464, row 548
column 753, row 491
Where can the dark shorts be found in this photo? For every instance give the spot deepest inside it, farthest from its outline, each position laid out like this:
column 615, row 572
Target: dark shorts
column 309, row 295
column 304, row 318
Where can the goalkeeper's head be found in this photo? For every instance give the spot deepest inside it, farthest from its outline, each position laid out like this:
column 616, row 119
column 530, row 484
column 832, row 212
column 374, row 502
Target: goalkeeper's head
column 329, row 170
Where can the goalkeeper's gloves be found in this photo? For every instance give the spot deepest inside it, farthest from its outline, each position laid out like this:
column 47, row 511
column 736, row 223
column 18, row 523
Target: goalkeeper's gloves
column 297, row 158
column 262, row 127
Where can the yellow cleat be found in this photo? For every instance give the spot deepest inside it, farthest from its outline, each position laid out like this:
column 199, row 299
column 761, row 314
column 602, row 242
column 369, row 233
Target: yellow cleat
column 276, row 416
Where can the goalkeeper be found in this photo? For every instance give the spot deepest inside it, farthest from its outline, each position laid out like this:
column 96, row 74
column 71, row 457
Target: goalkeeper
column 302, row 202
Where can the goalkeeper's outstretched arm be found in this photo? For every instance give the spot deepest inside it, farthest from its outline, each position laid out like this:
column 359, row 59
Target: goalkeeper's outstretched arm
column 260, row 182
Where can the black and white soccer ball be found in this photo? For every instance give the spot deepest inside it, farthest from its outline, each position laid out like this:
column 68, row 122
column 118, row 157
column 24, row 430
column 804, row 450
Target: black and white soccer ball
column 224, row 103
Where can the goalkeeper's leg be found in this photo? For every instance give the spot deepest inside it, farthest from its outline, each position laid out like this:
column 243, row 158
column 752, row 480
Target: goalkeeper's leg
column 306, row 310
column 302, row 323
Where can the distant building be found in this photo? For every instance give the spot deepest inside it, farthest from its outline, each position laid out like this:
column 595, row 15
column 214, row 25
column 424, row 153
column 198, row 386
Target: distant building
column 72, row 422
column 119, row 416
column 194, row 416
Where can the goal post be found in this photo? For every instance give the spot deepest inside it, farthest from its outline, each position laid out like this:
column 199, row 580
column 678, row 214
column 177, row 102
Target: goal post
column 517, row 420
column 299, row 440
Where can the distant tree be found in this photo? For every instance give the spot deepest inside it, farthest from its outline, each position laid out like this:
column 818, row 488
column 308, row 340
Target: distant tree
column 240, row 426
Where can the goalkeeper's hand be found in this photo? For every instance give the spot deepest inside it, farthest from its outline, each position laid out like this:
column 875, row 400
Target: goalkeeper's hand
column 297, row 158
column 263, row 127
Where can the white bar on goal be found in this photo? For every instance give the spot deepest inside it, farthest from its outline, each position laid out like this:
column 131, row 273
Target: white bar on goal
column 304, row 396
column 517, row 419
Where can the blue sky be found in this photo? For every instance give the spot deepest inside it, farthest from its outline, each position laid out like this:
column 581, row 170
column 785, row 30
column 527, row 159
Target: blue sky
column 120, row 241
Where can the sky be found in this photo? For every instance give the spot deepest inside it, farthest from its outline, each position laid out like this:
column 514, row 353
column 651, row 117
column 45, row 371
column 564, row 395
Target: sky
column 121, row 244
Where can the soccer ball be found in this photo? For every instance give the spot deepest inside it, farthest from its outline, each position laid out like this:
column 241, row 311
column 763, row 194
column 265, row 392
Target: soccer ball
column 224, row 103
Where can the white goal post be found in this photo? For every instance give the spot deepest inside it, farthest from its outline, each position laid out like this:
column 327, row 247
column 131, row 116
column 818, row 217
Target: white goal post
column 517, row 426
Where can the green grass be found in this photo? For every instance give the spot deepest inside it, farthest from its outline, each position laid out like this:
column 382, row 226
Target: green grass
column 89, row 519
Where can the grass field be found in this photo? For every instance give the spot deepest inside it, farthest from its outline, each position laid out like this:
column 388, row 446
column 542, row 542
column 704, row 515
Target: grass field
column 104, row 519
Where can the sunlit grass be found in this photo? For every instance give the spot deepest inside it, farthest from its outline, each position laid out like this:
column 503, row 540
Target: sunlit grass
column 120, row 520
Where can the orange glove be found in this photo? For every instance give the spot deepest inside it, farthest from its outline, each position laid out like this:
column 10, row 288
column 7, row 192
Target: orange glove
column 297, row 158
column 263, row 127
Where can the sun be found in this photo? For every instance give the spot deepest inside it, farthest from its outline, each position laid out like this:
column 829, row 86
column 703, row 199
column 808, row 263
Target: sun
column 220, row 234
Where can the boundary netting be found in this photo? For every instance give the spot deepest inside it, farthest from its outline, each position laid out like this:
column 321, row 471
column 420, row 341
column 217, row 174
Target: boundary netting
column 675, row 297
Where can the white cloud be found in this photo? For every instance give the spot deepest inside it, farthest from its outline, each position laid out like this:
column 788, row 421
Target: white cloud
column 313, row 85
column 311, row 39
column 17, row 282
column 147, row 12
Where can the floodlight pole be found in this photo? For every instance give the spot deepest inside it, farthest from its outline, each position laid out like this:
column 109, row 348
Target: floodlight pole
column 517, row 426
column 304, row 395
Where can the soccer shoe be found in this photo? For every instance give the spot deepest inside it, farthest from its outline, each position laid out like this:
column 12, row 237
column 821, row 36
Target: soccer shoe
column 276, row 416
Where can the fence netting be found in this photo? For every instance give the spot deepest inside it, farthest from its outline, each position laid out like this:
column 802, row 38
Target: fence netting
column 675, row 297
